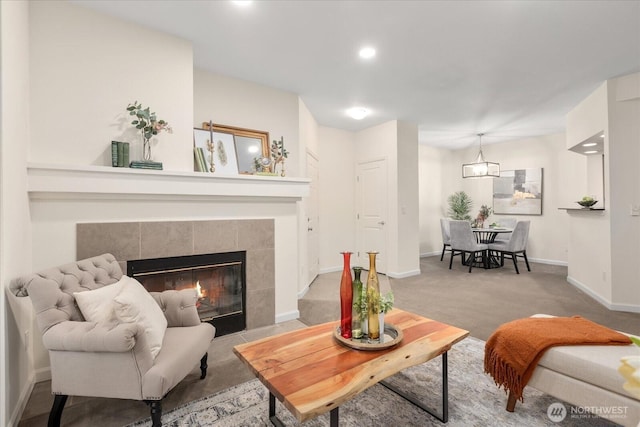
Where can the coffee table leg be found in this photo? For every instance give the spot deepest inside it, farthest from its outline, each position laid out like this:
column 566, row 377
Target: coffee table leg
column 445, row 394
column 272, row 412
column 333, row 417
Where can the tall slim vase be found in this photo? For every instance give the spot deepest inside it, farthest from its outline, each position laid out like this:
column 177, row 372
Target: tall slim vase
column 373, row 298
column 346, row 296
column 356, row 313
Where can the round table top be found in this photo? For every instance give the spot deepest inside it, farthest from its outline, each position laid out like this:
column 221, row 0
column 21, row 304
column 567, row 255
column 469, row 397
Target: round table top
column 493, row 230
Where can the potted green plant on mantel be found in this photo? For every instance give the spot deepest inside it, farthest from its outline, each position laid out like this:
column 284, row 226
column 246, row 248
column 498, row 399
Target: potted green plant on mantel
column 149, row 125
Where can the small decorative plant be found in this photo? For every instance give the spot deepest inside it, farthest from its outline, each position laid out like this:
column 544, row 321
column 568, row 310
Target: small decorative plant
column 459, row 206
column 148, row 124
column 386, row 302
column 278, row 154
column 484, row 213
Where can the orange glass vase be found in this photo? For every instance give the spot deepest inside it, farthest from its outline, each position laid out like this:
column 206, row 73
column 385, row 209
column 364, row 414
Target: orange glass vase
column 346, row 296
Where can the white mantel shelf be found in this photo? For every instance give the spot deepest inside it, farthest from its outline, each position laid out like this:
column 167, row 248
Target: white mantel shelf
column 64, row 181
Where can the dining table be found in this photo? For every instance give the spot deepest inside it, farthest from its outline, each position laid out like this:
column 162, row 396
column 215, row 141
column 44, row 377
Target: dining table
column 488, row 235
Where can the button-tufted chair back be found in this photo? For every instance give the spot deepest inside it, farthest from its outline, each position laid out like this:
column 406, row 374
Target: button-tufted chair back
column 51, row 290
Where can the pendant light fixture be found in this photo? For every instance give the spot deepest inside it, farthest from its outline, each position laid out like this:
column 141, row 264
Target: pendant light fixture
column 480, row 168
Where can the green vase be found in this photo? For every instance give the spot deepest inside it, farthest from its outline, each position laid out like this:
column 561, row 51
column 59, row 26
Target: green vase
column 373, row 298
column 356, row 317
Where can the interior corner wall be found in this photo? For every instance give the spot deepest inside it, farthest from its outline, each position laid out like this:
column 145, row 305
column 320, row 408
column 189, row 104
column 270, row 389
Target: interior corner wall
column 86, row 67
column 407, row 210
column 589, row 237
column 548, row 235
column 624, row 189
column 229, row 101
column 308, row 132
column 16, row 326
column 434, row 188
column 336, row 192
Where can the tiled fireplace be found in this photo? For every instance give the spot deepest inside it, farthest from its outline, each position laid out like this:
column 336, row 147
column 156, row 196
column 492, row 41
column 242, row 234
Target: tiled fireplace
column 178, row 239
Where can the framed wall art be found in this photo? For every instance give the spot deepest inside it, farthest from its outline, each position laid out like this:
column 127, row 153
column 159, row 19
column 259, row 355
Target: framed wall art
column 217, row 149
column 518, row 192
column 250, row 145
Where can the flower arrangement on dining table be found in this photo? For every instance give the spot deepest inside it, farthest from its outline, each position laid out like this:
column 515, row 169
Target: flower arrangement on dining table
column 483, row 214
column 148, row 124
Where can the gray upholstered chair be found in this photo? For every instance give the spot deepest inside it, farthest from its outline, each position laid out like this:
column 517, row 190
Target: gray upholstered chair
column 463, row 242
column 112, row 359
column 506, row 223
column 516, row 246
column 446, row 237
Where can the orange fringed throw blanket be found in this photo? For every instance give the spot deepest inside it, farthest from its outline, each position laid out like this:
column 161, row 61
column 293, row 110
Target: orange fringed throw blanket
column 512, row 352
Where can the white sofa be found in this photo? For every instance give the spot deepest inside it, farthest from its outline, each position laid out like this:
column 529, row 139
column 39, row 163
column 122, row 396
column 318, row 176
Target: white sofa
column 587, row 376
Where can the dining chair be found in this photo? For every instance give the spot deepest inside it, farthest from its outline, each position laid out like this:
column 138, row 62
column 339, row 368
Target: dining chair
column 506, row 223
column 446, row 236
column 463, row 242
column 516, row 246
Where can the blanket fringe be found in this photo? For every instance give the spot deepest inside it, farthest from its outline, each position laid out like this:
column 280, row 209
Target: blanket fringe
column 503, row 374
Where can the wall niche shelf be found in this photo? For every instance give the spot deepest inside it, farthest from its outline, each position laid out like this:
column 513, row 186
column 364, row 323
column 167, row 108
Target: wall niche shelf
column 581, row 209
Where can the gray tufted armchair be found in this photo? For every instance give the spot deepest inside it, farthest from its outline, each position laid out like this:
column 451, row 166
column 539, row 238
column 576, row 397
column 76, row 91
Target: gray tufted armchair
column 111, row 360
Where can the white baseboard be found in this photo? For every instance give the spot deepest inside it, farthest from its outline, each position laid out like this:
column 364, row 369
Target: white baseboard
column 549, row 261
column 303, row 292
column 428, row 254
column 43, row 374
column 285, row 317
column 329, row 270
column 25, row 394
column 404, row 274
column 611, row 306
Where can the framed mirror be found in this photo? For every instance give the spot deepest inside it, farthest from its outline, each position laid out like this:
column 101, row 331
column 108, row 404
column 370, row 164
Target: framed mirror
column 249, row 144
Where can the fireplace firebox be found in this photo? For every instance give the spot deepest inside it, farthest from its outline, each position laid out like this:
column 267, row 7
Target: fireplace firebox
column 219, row 279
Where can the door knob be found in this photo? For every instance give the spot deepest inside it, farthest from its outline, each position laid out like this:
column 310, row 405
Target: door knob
column 381, row 222
column 309, row 229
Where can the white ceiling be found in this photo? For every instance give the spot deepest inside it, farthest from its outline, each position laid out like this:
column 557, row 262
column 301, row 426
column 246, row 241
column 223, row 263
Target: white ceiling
column 510, row 69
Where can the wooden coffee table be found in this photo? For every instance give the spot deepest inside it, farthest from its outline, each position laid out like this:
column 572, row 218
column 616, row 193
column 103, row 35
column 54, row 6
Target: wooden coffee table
column 311, row 373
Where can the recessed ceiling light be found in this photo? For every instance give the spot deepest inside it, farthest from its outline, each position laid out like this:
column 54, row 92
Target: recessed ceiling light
column 591, row 152
column 358, row 113
column 589, row 144
column 241, row 3
column 602, row 136
column 367, row 52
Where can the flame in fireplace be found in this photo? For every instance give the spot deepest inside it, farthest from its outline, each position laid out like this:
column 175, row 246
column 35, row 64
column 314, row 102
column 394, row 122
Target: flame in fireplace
column 199, row 290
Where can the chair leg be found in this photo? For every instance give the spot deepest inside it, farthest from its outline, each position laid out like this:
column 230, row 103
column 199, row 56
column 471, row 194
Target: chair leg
column 56, row 410
column 515, row 263
column 156, row 412
column 444, row 247
column 451, row 259
column 526, row 261
column 203, row 366
column 472, row 259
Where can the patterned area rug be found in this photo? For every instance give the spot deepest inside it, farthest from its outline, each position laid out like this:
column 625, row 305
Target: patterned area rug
column 474, row 400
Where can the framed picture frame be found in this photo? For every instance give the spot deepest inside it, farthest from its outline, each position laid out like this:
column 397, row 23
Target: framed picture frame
column 250, row 145
column 217, row 149
column 518, row 192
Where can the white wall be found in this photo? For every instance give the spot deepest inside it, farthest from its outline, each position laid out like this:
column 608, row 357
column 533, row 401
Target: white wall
column 86, row 68
column 234, row 102
column 435, row 165
column 624, row 189
column 16, row 371
column 589, row 239
column 406, row 210
column 337, row 196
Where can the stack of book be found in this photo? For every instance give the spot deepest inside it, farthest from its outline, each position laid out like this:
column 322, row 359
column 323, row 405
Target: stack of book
column 145, row 164
column 199, row 160
column 119, row 154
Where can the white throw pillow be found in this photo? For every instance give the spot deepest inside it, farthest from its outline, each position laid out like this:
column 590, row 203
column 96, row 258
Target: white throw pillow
column 135, row 305
column 97, row 305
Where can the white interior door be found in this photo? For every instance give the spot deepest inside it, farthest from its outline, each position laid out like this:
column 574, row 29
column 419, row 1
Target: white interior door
column 371, row 204
column 313, row 243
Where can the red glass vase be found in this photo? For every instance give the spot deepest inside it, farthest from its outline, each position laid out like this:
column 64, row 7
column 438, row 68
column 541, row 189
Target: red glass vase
column 346, row 296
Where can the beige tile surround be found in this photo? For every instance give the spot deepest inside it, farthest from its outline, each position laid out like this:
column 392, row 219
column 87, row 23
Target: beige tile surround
column 141, row 240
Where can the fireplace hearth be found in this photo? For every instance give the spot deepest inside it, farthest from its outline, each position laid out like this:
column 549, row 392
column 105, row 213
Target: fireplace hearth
column 219, row 279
